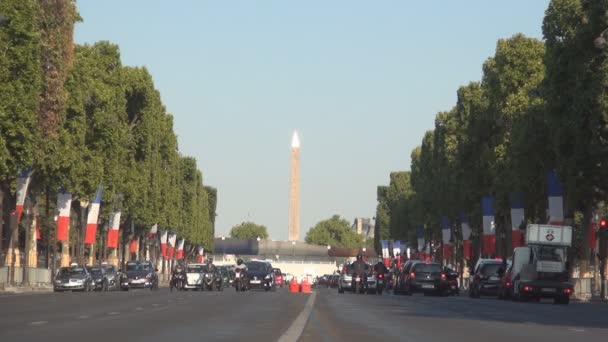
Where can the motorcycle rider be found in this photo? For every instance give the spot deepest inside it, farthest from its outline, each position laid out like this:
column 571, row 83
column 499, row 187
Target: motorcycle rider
column 240, row 268
column 177, row 270
column 358, row 267
column 380, row 267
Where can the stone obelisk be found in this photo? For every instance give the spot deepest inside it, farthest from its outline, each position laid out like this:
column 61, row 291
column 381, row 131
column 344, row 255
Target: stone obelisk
column 294, row 190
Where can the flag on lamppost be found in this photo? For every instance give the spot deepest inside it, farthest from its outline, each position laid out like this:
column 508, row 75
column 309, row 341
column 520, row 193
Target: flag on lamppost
column 555, row 193
column 201, row 252
column 180, row 249
column 171, row 245
column 163, row 243
column 517, row 218
column 64, row 203
column 23, row 181
column 446, row 234
column 153, row 231
column 113, row 230
column 489, row 230
column 92, row 218
column 466, row 236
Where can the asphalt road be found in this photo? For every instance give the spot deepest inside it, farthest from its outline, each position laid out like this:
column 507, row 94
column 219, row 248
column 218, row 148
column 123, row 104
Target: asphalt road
column 280, row 316
column 350, row 317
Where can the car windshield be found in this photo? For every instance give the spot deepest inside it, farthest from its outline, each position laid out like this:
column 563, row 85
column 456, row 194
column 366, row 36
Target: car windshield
column 131, row 267
column 196, row 269
column 95, row 270
column 489, row 270
column 109, row 269
column 427, row 268
column 256, row 266
column 72, row 271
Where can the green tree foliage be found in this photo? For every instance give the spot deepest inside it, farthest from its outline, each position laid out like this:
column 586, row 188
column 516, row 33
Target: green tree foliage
column 335, row 232
column 20, row 83
column 249, row 230
column 577, row 107
column 82, row 120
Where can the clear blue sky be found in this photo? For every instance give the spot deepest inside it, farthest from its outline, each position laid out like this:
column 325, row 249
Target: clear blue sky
column 360, row 80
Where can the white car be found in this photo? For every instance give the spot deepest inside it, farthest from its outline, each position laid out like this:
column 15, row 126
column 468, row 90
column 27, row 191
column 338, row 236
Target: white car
column 194, row 276
column 345, row 280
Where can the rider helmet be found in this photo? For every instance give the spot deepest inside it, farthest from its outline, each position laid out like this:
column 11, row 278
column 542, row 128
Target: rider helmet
column 239, row 261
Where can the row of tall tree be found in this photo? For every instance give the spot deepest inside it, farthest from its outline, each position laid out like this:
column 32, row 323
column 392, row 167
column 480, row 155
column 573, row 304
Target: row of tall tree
column 80, row 119
column 541, row 105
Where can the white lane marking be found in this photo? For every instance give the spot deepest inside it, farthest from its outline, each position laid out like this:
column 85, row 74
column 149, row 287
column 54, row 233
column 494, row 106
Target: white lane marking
column 294, row 332
column 576, row 330
column 155, row 304
column 38, row 322
column 113, row 313
column 82, row 317
column 139, row 308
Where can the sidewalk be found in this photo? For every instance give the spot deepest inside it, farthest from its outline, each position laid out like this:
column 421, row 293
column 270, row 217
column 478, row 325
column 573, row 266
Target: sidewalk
column 19, row 289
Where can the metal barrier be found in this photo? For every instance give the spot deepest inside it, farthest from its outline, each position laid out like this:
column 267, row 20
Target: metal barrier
column 36, row 275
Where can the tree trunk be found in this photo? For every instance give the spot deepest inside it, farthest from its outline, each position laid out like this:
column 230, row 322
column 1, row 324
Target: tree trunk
column 1, row 224
column 585, row 234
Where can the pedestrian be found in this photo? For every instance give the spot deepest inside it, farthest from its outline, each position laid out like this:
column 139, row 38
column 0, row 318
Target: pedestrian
column 465, row 278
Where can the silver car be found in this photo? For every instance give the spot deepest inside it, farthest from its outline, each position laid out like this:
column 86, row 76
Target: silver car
column 346, row 279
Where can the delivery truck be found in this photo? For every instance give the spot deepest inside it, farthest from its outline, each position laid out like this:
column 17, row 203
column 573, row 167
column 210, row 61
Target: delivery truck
column 541, row 269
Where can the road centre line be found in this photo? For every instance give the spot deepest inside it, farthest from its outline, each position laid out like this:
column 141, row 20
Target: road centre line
column 294, row 332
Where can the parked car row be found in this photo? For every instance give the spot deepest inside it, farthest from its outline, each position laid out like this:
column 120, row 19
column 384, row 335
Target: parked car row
column 137, row 274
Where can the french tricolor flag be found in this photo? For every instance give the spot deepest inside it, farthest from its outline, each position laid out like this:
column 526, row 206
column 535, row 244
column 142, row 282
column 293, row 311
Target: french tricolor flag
column 171, row 249
column 555, row 192
column 466, row 236
column 134, row 245
column 113, row 231
column 517, row 218
column 163, row 243
column 180, row 249
column 420, row 238
column 385, row 256
column 489, row 231
column 153, row 231
column 92, row 217
column 446, row 234
column 201, row 252
column 23, row 181
column 64, row 203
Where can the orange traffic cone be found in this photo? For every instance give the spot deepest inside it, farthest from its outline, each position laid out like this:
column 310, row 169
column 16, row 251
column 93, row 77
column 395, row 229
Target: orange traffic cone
column 305, row 286
column 294, row 287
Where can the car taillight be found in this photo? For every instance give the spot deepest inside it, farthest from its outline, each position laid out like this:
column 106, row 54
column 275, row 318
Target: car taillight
column 413, row 275
column 443, row 277
column 380, row 275
column 507, row 284
column 528, row 288
column 568, row 291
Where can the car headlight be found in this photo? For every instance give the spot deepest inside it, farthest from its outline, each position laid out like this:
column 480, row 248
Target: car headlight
column 268, row 277
column 149, row 276
column 98, row 280
column 79, row 281
column 57, row 281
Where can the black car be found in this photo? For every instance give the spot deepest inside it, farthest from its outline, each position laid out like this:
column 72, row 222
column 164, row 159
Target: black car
column 139, row 275
column 73, row 278
column 486, row 278
column 260, row 275
column 99, row 279
column 113, row 276
column 427, row 278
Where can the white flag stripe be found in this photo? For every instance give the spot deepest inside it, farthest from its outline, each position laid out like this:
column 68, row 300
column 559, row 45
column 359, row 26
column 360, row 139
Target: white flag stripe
column 64, row 202
column 93, row 213
column 517, row 217
column 22, row 184
column 181, row 245
column 466, row 231
column 163, row 238
column 488, row 226
column 115, row 221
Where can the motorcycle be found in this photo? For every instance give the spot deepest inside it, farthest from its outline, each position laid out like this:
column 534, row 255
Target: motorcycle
column 240, row 280
column 381, row 283
column 359, row 283
column 452, row 286
column 208, row 281
column 219, row 281
column 178, row 281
